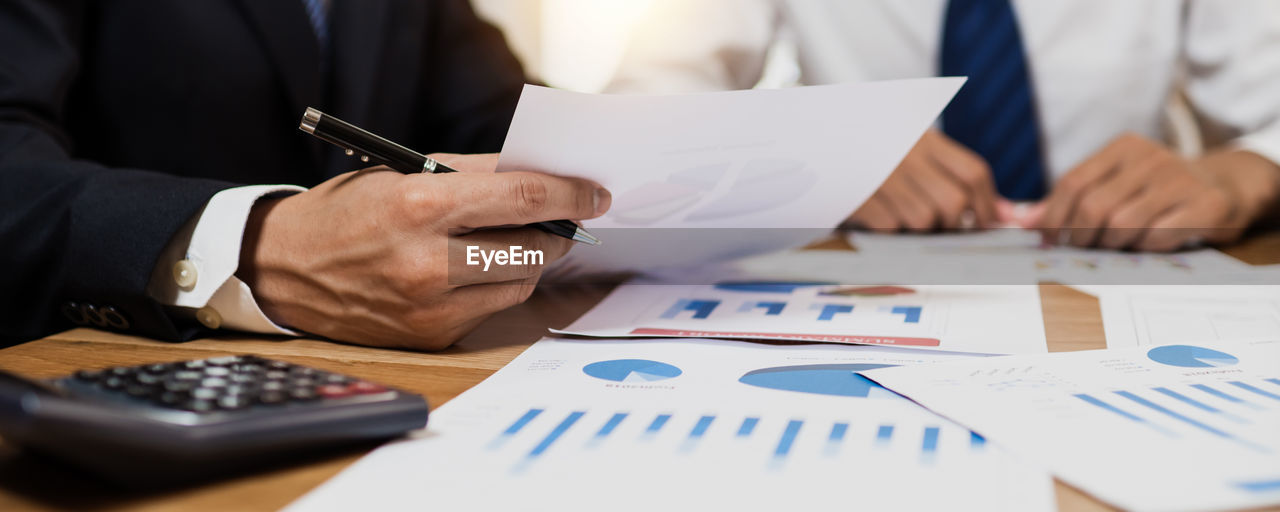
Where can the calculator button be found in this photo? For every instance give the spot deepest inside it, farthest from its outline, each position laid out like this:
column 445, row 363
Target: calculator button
column 240, row 378
column 364, row 387
column 214, row 382
column 170, row 399
column 334, row 378
column 233, row 402
column 138, row 391
column 224, row 360
column 271, row 397
column 277, row 375
column 148, row 379
column 303, row 371
column 204, row 393
column 240, row 389
column 113, row 382
column 279, row 365
column 302, row 394
column 334, row 391
column 198, row 405
column 89, row 375
column 248, row 368
column 273, row 385
column 195, row 365
column 188, row 375
column 157, row 368
column 217, row 371
column 302, row 383
column 121, row 372
column 179, row 386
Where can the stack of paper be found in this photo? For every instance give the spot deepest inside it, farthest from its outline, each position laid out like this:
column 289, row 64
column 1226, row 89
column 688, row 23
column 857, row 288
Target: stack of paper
column 688, row 425
column 1174, row 427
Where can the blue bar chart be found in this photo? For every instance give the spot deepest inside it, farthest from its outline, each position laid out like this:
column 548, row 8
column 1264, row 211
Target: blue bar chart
column 777, row 445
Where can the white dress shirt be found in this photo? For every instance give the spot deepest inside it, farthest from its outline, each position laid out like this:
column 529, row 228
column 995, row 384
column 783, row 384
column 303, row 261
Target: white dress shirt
column 1100, row 68
column 196, row 272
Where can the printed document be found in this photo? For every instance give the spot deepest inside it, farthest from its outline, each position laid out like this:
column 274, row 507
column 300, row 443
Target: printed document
column 626, row 425
column 977, row 319
column 710, row 176
column 1192, row 426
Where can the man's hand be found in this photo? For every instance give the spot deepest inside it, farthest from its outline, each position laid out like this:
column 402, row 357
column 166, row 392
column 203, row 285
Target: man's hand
column 377, row 258
column 1138, row 194
column 940, row 184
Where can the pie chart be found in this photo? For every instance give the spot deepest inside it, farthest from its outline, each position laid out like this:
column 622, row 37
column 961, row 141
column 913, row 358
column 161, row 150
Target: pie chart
column 1188, row 356
column 631, row 370
column 819, row 379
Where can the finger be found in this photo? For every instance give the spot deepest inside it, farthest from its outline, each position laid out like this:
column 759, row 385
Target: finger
column 499, row 255
column 1200, row 218
column 1095, row 211
column 1133, row 219
column 875, row 215
column 972, row 172
column 912, row 211
column 517, row 198
column 1062, row 201
column 485, row 163
column 949, row 197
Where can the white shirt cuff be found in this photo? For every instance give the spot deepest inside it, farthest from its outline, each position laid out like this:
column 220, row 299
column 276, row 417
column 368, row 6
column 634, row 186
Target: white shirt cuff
column 197, row 269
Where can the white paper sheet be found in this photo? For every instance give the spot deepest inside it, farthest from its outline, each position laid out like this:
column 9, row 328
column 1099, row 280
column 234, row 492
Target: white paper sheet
column 1011, row 251
column 1175, row 427
column 766, row 168
column 687, row 425
column 1156, row 315
column 977, row 319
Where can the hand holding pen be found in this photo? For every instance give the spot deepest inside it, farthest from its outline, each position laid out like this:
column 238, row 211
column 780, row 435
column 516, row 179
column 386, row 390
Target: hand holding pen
column 375, row 257
column 377, row 150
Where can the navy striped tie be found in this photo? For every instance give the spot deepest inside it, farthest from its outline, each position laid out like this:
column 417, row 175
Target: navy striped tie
column 318, row 12
column 994, row 113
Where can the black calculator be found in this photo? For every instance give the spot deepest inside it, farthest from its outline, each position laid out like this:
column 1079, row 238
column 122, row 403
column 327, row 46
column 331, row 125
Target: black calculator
column 173, row 423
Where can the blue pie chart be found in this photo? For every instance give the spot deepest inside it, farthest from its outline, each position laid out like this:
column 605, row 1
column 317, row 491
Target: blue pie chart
column 1187, row 356
column 631, row 370
column 820, row 379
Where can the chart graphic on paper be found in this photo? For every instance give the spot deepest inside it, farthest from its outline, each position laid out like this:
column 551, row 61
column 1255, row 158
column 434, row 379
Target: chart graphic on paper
column 820, row 379
column 631, row 370
column 1189, row 356
column 987, row 319
column 1127, row 412
column 822, row 308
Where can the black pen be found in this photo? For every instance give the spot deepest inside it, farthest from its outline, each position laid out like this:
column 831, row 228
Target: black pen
column 377, row 150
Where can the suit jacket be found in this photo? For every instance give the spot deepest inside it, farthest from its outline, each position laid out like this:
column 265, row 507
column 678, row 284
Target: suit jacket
column 119, row 119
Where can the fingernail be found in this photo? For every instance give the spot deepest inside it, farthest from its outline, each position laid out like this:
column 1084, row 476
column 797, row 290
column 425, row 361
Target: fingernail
column 602, row 201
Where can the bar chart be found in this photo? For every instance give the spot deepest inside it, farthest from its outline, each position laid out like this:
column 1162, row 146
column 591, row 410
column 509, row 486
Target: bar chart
column 1200, row 422
column 984, row 320
column 534, row 433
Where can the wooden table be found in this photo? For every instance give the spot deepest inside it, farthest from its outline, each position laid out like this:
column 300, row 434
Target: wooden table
column 1072, row 322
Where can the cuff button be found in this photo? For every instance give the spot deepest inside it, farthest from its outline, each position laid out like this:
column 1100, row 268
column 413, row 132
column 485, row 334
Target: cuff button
column 184, row 274
column 209, row 317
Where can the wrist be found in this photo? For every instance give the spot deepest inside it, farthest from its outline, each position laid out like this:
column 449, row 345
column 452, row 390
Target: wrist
column 262, row 262
column 1251, row 182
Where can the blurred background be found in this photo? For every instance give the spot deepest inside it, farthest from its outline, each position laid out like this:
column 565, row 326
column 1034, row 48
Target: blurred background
column 578, row 44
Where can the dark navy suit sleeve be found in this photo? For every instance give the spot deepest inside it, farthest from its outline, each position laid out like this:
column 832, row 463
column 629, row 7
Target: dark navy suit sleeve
column 73, row 232
column 475, row 81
